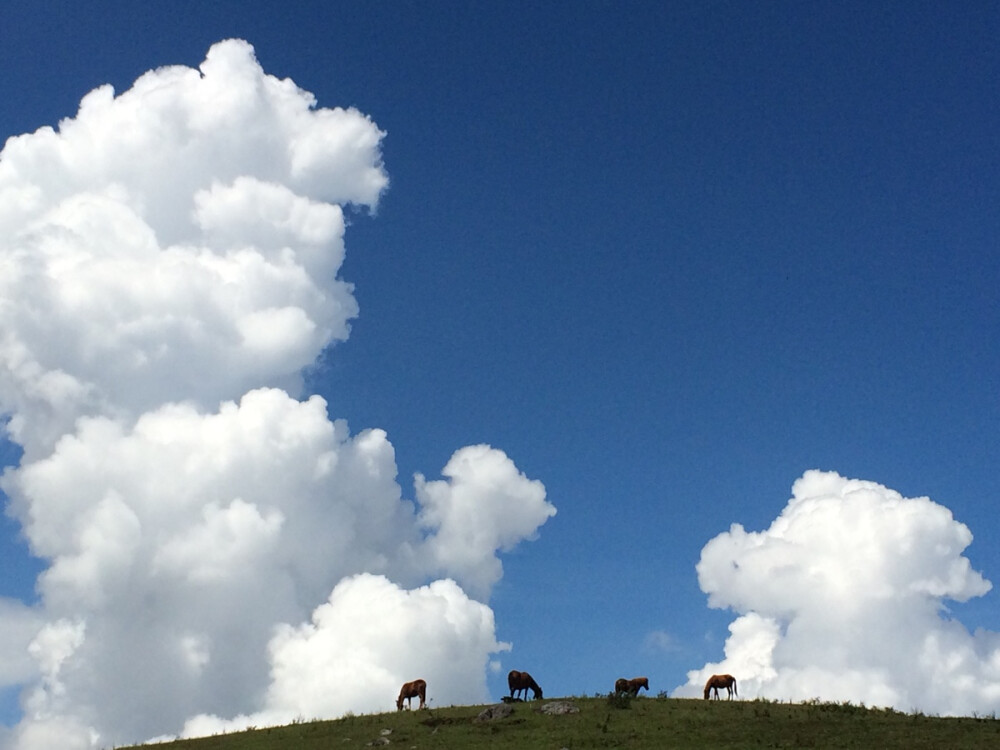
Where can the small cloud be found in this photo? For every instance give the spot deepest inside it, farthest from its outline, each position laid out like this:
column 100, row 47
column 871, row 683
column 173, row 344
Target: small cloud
column 485, row 505
column 660, row 641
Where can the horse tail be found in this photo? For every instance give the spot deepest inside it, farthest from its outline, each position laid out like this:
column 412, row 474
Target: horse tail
column 735, row 691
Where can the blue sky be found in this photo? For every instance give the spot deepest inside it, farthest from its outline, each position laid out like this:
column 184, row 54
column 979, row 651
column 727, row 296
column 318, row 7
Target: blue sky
column 667, row 257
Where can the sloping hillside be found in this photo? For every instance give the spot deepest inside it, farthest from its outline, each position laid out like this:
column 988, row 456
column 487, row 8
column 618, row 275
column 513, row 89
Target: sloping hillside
column 643, row 723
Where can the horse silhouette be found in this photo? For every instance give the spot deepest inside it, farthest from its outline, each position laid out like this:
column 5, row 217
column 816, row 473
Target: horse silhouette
column 632, row 686
column 518, row 681
column 717, row 681
column 410, row 690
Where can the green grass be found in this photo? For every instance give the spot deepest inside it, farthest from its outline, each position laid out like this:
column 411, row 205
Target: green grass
column 642, row 723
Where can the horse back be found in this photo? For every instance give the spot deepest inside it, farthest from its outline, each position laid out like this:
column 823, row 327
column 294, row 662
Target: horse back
column 417, row 687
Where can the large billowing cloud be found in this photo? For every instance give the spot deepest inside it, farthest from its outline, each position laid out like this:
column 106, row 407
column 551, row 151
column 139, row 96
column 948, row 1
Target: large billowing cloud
column 169, row 263
column 843, row 599
column 178, row 241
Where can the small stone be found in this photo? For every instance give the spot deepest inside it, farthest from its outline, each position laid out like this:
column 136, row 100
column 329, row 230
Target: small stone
column 559, row 707
column 499, row 711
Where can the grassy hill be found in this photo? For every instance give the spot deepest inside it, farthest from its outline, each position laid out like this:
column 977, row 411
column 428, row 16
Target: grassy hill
column 643, row 723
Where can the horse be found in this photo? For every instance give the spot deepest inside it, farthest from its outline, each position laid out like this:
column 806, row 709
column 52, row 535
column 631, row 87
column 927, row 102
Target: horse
column 518, row 681
column 410, row 690
column 632, row 686
column 717, row 681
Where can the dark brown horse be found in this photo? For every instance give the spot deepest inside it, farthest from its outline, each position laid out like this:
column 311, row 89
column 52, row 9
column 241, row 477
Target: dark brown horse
column 717, row 681
column 518, row 681
column 410, row 690
column 632, row 686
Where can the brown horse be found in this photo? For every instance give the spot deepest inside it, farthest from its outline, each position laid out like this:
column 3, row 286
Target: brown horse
column 632, row 686
column 410, row 690
column 717, row 681
column 518, row 681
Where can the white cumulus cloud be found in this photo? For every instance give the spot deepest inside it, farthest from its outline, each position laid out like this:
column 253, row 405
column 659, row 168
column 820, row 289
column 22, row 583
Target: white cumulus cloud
column 169, row 263
column 366, row 641
column 484, row 505
column 842, row 598
column 179, row 241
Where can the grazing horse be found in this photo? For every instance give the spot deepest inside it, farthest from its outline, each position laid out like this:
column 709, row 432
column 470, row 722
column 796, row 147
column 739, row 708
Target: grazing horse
column 518, row 681
column 632, row 686
column 410, row 690
column 717, row 681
